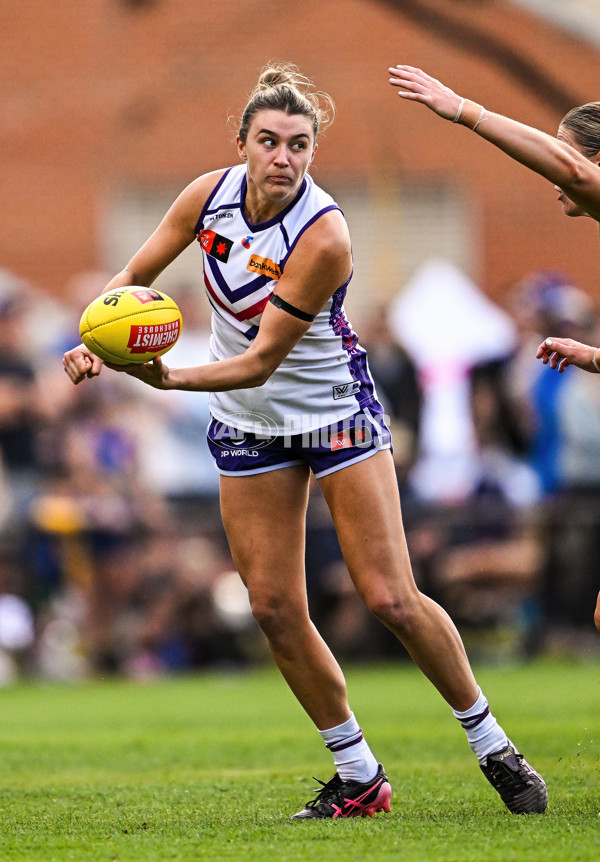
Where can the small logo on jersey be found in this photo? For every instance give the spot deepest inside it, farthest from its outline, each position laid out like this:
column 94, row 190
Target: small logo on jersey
column 344, row 390
column 215, row 245
column 146, row 294
column 223, row 215
column 264, row 266
column 246, row 241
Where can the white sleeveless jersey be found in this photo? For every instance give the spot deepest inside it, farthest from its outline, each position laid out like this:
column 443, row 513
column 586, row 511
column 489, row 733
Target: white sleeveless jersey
column 325, row 378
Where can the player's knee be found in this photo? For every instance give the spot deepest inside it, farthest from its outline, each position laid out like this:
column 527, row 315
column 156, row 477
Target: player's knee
column 401, row 615
column 273, row 613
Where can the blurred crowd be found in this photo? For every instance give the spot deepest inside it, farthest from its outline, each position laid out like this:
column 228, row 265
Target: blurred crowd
column 112, row 555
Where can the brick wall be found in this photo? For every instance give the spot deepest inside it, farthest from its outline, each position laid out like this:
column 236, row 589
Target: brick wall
column 98, row 95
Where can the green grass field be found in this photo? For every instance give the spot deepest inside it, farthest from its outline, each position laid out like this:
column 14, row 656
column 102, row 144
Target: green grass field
column 211, row 767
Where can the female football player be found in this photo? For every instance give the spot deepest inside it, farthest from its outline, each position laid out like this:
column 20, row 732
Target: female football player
column 291, row 393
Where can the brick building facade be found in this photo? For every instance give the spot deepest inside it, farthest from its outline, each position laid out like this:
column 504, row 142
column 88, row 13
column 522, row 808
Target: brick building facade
column 109, row 107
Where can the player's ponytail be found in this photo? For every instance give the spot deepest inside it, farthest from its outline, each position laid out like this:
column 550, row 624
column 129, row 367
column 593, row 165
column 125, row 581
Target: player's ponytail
column 282, row 87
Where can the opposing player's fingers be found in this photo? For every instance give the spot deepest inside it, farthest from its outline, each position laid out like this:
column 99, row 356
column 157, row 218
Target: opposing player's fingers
column 403, row 69
column 412, row 73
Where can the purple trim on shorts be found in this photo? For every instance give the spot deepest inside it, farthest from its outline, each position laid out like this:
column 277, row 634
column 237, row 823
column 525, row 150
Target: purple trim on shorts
column 350, row 460
column 325, row 450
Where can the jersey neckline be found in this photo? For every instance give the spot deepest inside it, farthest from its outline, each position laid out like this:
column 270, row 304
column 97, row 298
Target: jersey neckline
column 276, row 218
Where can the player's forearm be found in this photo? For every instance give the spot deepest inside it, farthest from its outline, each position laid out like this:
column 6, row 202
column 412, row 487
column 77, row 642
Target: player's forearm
column 237, row 372
column 537, row 150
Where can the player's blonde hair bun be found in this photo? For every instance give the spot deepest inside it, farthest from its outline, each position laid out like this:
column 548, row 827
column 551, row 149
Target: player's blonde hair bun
column 281, row 86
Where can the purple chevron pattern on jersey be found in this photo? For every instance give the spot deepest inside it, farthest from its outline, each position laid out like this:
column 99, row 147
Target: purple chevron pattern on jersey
column 326, row 373
column 240, row 275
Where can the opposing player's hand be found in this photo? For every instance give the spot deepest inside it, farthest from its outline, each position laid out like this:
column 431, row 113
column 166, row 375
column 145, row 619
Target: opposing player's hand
column 80, row 363
column 416, row 85
column 155, row 373
column 561, row 352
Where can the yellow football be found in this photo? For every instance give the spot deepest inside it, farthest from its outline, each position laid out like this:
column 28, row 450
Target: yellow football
column 130, row 325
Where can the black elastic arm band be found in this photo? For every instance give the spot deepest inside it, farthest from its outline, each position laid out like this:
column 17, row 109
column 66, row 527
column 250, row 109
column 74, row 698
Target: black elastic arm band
column 278, row 302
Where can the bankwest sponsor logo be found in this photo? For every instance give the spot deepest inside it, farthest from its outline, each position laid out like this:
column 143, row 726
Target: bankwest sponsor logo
column 264, row 266
column 215, row 245
column 145, row 338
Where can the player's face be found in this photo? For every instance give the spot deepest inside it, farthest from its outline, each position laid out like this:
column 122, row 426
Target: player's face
column 568, row 207
column 279, row 148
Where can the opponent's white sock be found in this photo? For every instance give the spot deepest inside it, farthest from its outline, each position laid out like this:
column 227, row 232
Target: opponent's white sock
column 484, row 734
column 352, row 756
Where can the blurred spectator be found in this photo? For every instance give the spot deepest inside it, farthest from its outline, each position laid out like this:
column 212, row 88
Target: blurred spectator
column 482, row 556
column 20, row 412
column 398, row 387
column 547, row 302
column 565, row 420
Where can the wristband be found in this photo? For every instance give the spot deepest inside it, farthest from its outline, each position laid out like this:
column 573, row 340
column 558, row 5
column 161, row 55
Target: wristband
column 461, row 105
column 481, row 119
column 595, row 361
column 471, row 114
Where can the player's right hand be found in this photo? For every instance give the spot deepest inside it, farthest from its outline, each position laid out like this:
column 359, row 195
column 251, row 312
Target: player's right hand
column 559, row 353
column 80, row 363
column 155, row 373
column 413, row 83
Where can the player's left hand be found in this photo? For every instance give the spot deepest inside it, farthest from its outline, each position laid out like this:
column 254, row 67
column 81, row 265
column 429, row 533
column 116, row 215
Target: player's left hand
column 417, row 85
column 154, row 373
column 80, row 363
column 561, row 352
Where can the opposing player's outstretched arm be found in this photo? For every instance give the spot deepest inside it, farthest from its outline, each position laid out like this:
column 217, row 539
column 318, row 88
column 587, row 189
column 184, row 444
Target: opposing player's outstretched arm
column 577, row 176
column 320, row 263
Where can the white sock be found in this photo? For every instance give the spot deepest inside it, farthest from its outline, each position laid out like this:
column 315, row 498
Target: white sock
column 484, row 734
column 352, row 756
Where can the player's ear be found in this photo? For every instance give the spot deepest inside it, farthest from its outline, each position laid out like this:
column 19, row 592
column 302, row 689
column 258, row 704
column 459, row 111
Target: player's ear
column 314, row 153
column 241, row 148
